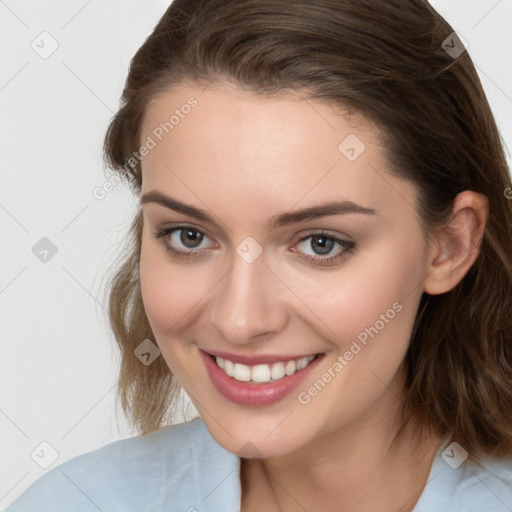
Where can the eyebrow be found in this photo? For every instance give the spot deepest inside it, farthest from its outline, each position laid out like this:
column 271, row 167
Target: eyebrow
column 276, row 221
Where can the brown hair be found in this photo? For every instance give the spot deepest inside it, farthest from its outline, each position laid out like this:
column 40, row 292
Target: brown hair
column 386, row 60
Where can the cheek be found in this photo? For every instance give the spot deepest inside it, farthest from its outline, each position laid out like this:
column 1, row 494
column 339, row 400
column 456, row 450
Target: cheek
column 370, row 315
column 170, row 292
column 375, row 294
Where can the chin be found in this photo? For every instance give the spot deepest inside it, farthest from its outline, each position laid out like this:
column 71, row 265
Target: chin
column 251, row 440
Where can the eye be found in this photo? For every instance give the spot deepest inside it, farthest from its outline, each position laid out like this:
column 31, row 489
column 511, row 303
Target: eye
column 184, row 237
column 189, row 242
column 326, row 249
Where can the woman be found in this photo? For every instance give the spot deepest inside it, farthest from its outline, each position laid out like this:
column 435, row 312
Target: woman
column 321, row 260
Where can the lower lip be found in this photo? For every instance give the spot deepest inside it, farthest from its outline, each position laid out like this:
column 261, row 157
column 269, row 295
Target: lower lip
column 245, row 393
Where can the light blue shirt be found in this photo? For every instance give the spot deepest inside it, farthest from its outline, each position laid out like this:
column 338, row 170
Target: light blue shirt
column 182, row 468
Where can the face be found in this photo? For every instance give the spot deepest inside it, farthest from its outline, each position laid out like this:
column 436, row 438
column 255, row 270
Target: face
column 247, row 279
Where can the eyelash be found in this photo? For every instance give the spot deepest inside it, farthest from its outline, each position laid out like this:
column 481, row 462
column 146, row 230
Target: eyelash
column 161, row 233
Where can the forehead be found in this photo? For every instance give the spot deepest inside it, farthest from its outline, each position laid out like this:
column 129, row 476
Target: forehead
column 224, row 145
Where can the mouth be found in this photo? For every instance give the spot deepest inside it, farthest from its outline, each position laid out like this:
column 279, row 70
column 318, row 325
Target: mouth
column 263, row 373
column 260, row 384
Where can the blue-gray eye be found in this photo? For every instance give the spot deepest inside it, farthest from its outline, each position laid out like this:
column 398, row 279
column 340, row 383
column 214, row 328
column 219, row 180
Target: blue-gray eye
column 190, row 238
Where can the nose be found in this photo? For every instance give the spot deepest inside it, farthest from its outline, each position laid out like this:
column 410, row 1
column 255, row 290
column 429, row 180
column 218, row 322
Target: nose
column 246, row 305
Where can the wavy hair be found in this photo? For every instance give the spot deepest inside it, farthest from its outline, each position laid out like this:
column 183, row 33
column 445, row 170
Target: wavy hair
column 390, row 61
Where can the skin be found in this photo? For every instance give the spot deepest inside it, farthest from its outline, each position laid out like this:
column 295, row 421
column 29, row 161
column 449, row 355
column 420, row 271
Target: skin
column 244, row 158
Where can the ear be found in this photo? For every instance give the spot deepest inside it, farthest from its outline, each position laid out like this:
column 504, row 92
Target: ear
column 456, row 245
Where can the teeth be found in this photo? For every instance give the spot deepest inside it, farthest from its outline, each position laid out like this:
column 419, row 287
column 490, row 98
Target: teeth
column 277, row 371
column 290, row 367
column 262, row 373
column 228, row 367
column 242, row 372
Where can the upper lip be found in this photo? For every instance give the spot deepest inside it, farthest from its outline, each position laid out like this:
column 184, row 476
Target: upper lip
column 257, row 359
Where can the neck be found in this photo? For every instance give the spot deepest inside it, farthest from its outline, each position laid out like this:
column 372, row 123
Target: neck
column 355, row 468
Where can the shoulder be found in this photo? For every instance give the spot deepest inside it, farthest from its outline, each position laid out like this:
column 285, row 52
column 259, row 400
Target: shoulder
column 150, row 472
column 466, row 486
column 487, row 486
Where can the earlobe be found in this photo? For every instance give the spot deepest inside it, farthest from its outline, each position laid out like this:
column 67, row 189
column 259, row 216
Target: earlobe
column 456, row 245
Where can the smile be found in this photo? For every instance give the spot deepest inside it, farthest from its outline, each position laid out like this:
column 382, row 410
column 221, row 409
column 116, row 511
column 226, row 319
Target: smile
column 262, row 373
column 261, row 380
